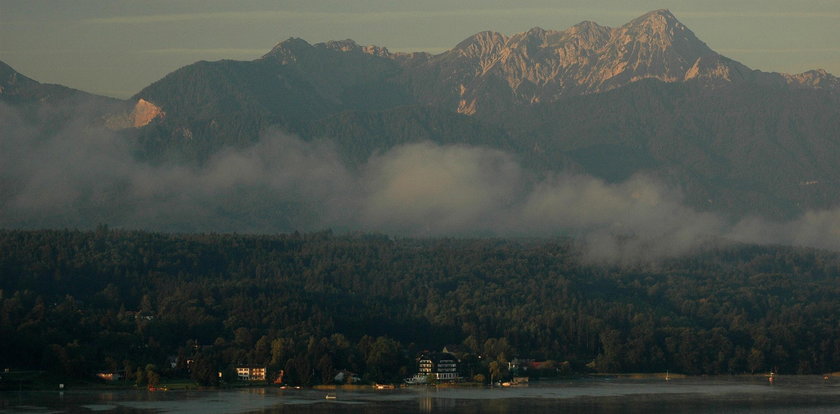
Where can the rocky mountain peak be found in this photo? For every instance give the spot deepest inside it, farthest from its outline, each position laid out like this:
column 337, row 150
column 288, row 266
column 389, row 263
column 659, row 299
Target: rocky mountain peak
column 585, row 35
column 349, row 45
column 542, row 65
column 661, row 16
column 588, row 28
column 293, row 44
column 584, row 26
column 346, row 45
column 530, row 42
column 536, row 31
column 481, row 44
column 293, row 48
column 813, row 79
column 288, row 50
column 661, row 29
column 660, row 22
column 489, row 71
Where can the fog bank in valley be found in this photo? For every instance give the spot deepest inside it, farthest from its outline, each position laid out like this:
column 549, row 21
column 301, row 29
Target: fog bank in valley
column 79, row 177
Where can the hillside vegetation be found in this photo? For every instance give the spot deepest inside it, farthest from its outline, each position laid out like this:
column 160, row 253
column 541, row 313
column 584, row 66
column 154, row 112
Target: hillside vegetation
column 313, row 304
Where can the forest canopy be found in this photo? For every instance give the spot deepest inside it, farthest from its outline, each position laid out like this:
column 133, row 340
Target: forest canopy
column 316, row 304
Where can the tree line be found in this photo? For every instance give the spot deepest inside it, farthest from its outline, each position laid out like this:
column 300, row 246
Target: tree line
column 316, row 304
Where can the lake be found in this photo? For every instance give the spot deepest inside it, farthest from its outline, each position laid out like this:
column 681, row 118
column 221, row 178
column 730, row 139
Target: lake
column 794, row 394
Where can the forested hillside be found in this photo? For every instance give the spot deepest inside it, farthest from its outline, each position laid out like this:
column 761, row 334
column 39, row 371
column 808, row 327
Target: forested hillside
column 313, row 304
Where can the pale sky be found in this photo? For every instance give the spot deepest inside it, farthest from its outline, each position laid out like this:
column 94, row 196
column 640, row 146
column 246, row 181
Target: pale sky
column 116, row 47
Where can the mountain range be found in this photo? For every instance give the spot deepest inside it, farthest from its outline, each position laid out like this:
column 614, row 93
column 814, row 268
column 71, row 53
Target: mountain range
column 648, row 97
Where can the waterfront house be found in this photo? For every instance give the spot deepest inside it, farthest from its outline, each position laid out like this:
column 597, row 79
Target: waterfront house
column 442, row 366
column 250, row 373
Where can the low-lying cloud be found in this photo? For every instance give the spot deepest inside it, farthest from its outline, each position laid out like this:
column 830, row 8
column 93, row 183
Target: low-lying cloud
column 81, row 177
column 436, row 190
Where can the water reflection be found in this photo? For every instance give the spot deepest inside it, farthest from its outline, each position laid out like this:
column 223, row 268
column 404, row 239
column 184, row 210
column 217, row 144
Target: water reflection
column 430, row 404
column 426, row 404
column 693, row 395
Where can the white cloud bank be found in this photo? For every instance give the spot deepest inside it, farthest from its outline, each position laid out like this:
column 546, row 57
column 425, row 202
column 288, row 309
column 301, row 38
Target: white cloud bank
column 82, row 177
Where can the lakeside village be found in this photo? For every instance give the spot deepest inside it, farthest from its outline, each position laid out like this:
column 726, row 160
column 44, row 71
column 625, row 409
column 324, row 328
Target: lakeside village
column 445, row 367
column 449, row 366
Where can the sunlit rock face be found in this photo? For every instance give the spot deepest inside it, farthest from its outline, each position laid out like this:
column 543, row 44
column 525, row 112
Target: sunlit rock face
column 490, row 72
column 141, row 114
column 144, row 112
column 816, row 79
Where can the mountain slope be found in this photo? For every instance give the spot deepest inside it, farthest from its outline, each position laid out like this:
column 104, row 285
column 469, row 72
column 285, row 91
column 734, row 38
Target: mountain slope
column 646, row 97
column 210, row 105
column 743, row 149
column 51, row 107
column 18, row 89
column 358, row 134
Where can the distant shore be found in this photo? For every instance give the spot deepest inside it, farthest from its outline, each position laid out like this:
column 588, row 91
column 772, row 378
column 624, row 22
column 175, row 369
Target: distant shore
column 44, row 384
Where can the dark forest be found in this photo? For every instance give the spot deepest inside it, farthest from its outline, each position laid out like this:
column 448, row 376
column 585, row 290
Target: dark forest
column 76, row 303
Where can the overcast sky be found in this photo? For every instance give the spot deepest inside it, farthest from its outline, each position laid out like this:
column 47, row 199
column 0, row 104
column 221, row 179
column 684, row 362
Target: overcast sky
column 116, row 47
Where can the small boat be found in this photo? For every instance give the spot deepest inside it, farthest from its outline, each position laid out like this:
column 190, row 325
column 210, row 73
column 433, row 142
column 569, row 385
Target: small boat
column 417, row 379
column 330, row 397
column 520, row 381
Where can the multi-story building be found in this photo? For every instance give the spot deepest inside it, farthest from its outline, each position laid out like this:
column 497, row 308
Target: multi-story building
column 443, row 366
column 250, row 373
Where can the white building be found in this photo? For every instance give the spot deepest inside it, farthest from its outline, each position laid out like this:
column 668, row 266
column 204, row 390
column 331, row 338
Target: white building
column 443, row 366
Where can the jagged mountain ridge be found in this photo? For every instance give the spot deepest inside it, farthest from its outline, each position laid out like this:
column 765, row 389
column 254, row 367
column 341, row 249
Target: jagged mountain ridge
column 350, row 93
column 543, row 65
column 486, row 74
column 490, row 72
column 610, row 102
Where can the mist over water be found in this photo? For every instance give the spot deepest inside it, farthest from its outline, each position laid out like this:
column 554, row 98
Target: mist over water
column 79, row 177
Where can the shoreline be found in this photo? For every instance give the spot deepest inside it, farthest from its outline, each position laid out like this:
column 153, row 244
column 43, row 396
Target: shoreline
column 186, row 385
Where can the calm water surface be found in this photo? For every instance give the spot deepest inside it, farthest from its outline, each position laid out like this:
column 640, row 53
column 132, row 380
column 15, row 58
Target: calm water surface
column 803, row 394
